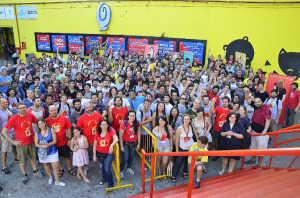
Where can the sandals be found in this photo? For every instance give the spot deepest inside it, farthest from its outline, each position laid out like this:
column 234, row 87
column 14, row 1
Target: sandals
column 87, row 181
column 79, row 177
column 205, row 170
column 173, row 179
column 72, row 172
column 185, row 175
column 61, row 173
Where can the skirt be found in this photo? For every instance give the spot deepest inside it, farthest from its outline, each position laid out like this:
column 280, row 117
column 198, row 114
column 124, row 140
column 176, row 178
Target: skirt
column 50, row 158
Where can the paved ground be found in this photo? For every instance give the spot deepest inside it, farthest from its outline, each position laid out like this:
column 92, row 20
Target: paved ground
column 39, row 187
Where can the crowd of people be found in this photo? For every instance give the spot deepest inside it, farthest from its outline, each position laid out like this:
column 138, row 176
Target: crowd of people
column 77, row 109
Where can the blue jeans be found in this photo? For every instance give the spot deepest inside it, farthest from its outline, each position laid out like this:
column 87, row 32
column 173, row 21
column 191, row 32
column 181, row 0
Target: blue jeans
column 127, row 156
column 106, row 169
column 289, row 117
column 179, row 161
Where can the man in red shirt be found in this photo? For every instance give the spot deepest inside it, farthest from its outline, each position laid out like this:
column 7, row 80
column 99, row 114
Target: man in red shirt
column 293, row 105
column 117, row 114
column 221, row 114
column 22, row 124
column 60, row 124
column 214, row 93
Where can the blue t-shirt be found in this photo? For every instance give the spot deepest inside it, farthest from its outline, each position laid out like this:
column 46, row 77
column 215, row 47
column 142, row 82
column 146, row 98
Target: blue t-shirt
column 42, row 88
column 135, row 104
column 3, row 89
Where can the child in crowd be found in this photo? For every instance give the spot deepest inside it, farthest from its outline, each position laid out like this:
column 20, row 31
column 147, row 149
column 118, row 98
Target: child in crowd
column 79, row 146
column 200, row 160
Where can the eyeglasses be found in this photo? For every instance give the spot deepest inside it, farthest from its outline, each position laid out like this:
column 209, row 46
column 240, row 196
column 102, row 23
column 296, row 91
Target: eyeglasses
column 183, row 98
column 233, row 117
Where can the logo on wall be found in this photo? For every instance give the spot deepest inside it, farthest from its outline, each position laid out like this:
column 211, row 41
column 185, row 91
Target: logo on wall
column 59, row 43
column 103, row 16
column 242, row 46
column 289, row 63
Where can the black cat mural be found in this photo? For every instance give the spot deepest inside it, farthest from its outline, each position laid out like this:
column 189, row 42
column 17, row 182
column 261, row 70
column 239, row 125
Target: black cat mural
column 289, row 63
column 240, row 45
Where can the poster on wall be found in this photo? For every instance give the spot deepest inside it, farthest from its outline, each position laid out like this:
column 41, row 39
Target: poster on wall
column 137, row 45
column 59, row 41
column 43, row 42
column 2, row 13
column 193, row 46
column 115, row 43
column 22, row 12
column 152, row 50
column 165, row 47
column 93, row 40
column 282, row 82
column 189, row 56
column 74, row 42
column 31, row 12
column 9, row 13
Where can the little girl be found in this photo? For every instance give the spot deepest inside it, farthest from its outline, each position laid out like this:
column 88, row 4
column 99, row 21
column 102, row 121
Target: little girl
column 79, row 146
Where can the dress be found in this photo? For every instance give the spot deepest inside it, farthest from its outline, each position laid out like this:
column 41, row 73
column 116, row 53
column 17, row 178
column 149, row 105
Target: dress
column 200, row 130
column 81, row 156
column 52, row 154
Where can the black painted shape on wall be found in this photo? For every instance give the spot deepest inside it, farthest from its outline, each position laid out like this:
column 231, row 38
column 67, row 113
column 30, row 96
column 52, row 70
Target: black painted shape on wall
column 267, row 63
column 289, row 63
column 240, row 45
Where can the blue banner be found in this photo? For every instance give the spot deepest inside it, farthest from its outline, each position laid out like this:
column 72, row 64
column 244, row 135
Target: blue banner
column 193, row 46
column 164, row 47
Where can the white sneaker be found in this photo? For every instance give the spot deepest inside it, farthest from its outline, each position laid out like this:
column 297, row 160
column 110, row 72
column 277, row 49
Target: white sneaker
column 122, row 175
column 85, row 170
column 50, row 181
column 221, row 173
column 130, row 171
column 100, row 166
column 60, row 184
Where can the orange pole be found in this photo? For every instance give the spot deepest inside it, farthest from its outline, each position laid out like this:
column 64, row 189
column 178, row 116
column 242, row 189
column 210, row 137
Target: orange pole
column 274, row 145
column 152, row 176
column 191, row 176
column 242, row 164
column 143, row 170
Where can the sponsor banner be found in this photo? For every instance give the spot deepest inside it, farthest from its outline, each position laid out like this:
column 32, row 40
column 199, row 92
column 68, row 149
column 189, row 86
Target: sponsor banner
column 93, row 40
column 115, row 43
column 43, row 42
column 165, row 47
column 137, row 45
column 193, row 46
column 74, row 41
column 59, row 42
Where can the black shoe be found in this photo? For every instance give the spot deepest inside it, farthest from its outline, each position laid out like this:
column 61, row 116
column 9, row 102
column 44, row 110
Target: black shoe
column 215, row 158
column 5, row 171
column 250, row 161
column 1, row 188
column 16, row 160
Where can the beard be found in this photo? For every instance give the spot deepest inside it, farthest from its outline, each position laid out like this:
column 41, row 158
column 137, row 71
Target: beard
column 77, row 108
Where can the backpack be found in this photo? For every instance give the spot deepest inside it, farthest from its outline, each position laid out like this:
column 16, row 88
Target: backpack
column 142, row 113
column 59, row 107
column 277, row 100
column 126, row 124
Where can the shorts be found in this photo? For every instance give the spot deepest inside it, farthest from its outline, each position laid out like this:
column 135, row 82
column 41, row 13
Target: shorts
column 64, row 151
column 6, row 145
column 163, row 149
column 24, row 150
column 259, row 142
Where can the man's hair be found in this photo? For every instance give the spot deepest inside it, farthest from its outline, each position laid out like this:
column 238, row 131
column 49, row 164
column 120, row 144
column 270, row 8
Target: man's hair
column 76, row 100
column 35, row 98
column 296, row 84
column 203, row 139
column 21, row 103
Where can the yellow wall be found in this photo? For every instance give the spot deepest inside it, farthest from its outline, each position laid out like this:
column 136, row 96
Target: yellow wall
column 269, row 27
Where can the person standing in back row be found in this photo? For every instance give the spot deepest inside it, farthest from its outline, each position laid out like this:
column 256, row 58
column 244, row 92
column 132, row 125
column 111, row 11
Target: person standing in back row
column 292, row 106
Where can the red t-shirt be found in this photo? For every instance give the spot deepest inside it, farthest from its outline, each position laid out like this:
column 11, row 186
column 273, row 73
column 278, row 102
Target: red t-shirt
column 129, row 134
column 22, row 127
column 103, row 143
column 220, row 118
column 59, row 125
column 89, row 124
column 211, row 96
column 118, row 114
column 294, row 99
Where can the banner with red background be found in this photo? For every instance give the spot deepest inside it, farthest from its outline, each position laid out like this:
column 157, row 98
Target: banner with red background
column 287, row 84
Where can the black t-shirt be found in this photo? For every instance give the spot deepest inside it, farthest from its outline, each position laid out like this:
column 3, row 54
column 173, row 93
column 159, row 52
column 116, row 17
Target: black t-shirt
column 80, row 84
column 26, row 85
column 263, row 96
column 281, row 92
column 239, row 78
column 69, row 94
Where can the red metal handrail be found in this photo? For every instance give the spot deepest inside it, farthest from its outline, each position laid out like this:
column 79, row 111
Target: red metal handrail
column 250, row 152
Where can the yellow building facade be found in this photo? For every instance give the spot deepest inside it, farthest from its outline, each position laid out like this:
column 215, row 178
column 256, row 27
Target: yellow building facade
column 270, row 29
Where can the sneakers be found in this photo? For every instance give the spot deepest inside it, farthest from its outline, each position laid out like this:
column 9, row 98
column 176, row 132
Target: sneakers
column 37, row 173
column 122, row 174
column 24, row 179
column 85, row 170
column 50, row 181
column 5, row 170
column 16, row 160
column 102, row 182
column 130, row 171
column 60, row 184
column 197, row 184
column 250, row 161
column 221, row 173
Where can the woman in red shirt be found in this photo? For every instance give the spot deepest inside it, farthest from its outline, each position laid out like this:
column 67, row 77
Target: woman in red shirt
column 104, row 142
column 129, row 134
